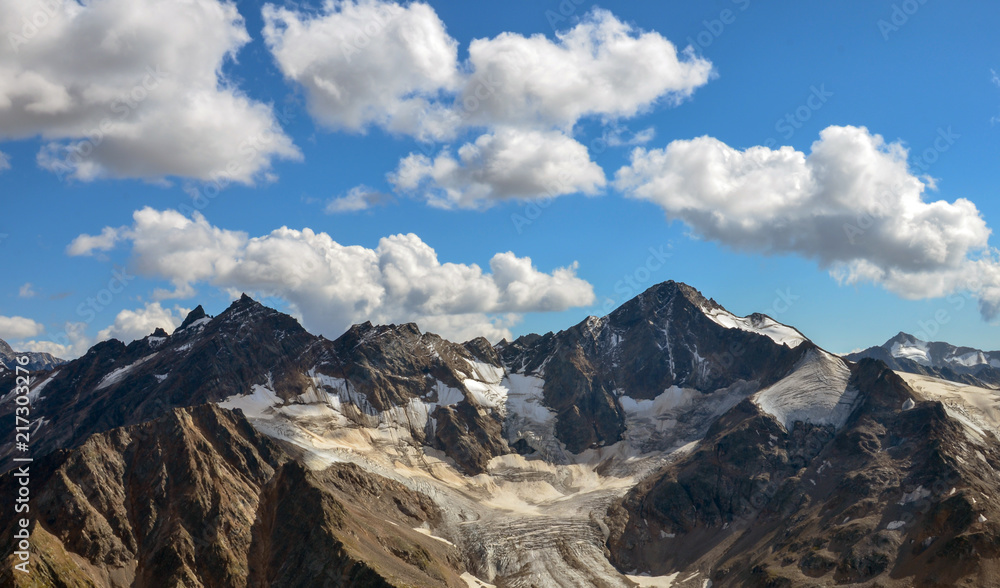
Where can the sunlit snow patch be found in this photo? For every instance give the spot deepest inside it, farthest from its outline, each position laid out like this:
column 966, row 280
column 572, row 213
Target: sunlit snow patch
column 915, row 350
column 486, row 386
column 123, row 372
column 475, row 582
column 33, row 394
column 815, row 392
column 655, row 581
column 761, row 324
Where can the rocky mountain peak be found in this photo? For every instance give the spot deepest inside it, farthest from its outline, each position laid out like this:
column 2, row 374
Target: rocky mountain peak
column 244, row 303
column 659, row 295
column 36, row 361
column 195, row 315
column 907, row 353
column 247, row 315
column 901, row 337
column 378, row 336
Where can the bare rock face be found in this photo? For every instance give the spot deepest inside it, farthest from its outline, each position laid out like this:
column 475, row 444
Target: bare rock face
column 661, row 338
column 330, row 529
column 168, row 502
column 896, row 497
column 199, row 498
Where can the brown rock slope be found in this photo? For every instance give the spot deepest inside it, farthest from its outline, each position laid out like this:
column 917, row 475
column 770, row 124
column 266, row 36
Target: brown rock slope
column 199, row 498
column 895, row 498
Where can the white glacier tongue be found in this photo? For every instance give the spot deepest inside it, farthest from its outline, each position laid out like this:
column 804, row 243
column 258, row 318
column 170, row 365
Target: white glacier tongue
column 816, row 392
column 977, row 409
column 760, row 324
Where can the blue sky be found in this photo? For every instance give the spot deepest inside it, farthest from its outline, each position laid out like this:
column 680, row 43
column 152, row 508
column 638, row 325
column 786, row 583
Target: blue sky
column 782, row 72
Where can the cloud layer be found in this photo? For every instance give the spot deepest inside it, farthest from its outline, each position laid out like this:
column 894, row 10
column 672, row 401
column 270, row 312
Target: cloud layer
column 333, row 285
column 132, row 88
column 367, row 63
column 507, row 164
column 135, row 324
column 852, row 204
column 378, row 64
column 19, row 327
column 601, row 67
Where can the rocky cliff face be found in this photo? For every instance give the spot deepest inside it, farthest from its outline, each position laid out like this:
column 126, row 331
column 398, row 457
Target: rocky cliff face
column 899, row 497
column 664, row 338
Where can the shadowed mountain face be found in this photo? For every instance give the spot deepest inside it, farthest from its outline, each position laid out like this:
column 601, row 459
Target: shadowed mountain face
column 669, row 438
column 906, row 353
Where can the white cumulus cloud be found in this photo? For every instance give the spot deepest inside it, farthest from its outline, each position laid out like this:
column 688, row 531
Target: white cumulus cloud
column 332, row 285
column 367, row 63
column 370, row 63
column 379, row 63
column 19, row 327
column 130, row 325
column 852, row 204
column 27, row 290
column 133, row 88
column 88, row 244
column 357, row 198
column 70, row 343
column 506, row 164
column 601, row 66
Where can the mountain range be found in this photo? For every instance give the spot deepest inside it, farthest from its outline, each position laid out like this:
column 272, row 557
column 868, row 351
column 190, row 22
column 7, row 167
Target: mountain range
column 36, row 361
column 670, row 443
column 906, row 353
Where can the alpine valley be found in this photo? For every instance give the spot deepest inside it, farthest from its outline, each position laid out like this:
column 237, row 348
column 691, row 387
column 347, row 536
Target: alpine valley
column 668, row 444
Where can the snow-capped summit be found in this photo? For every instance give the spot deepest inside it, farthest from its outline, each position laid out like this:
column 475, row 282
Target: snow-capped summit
column 906, row 353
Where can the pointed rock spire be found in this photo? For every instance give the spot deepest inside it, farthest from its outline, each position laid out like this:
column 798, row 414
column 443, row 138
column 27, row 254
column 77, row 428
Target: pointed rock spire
column 197, row 314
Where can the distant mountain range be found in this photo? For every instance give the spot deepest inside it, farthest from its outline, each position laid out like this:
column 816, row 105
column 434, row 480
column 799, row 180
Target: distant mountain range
column 906, row 353
column 670, row 443
column 36, row 361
